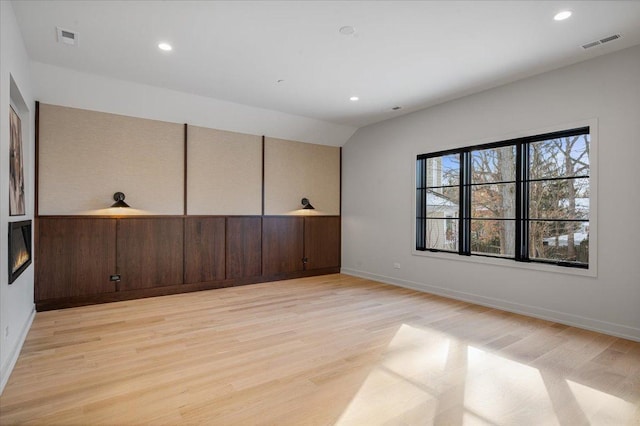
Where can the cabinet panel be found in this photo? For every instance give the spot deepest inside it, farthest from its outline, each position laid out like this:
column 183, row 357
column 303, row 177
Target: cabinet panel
column 74, row 257
column 150, row 252
column 244, row 247
column 322, row 242
column 204, row 249
column 282, row 245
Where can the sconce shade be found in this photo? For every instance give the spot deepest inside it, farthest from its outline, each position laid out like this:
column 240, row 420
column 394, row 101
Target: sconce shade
column 119, row 200
column 307, row 205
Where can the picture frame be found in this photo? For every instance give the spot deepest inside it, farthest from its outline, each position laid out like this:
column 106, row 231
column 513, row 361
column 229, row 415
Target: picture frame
column 16, row 166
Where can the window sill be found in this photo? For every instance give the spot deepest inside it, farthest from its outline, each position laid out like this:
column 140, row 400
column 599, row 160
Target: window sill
column 510, row 263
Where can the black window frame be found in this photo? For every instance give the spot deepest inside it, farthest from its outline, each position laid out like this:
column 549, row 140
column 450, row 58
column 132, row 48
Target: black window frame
column 522, row 202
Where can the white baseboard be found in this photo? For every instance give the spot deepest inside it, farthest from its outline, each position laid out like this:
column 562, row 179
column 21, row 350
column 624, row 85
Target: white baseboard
column 7, row 368
column 618, row 330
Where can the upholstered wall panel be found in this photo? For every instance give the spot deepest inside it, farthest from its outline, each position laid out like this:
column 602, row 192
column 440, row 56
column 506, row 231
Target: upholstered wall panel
column 224, row 173
column 86, row 156
column 294, row 170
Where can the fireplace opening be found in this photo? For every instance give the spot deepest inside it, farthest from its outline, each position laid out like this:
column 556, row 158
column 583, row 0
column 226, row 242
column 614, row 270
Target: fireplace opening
column 19, row 248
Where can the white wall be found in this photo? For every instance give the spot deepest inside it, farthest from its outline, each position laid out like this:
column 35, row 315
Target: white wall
column 378, row 192
column 16, row 300
column 61, row 86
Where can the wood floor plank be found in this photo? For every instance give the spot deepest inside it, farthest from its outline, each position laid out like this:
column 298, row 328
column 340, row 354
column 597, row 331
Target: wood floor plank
column 316, row 351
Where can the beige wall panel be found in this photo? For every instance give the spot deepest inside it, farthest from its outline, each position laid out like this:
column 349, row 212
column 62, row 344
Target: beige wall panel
column 86, row 156
column 224, row 172
column 294, row 170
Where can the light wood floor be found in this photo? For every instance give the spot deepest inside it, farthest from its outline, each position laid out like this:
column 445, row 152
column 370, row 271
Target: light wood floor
column 316, row 351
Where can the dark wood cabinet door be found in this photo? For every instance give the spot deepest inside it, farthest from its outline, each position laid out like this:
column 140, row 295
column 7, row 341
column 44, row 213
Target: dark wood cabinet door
column 75, row 257
column 204, row 249
column 150, row 252
column 244, row 247
column 282, row 245
column 322, row 242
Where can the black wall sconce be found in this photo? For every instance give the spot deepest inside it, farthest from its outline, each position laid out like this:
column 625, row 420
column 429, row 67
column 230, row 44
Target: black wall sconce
column 119, row 198
column 307, row 205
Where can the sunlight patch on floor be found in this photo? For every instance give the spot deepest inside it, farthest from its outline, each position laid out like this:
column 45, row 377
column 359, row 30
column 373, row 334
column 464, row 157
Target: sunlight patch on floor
column 398, row 387
column 429, row 377
column 505, row 391
column 600, row 407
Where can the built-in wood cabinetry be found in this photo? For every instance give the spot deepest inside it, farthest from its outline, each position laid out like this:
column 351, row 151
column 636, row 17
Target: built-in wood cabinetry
column 210, row 208
column 204, row 249
column 282, row 244
column 149, row 252
column 77, row 256
column 321, row 242
column 244, row 247
column 294, row 244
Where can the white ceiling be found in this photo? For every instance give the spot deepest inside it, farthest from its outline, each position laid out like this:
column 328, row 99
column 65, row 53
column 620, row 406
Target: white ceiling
column 411, row 54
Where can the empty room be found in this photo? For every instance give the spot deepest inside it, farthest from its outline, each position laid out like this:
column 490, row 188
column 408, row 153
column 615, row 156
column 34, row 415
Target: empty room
column 319, row 212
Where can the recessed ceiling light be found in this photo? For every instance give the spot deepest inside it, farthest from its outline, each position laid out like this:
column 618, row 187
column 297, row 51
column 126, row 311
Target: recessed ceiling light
column 165, row 46
column 561, row 16
column 347, row 30
column 354, row 98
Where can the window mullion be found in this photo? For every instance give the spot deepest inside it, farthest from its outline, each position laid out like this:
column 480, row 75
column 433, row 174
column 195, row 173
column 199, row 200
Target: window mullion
column 522, row 202
column 525, row 201
column 465, row 204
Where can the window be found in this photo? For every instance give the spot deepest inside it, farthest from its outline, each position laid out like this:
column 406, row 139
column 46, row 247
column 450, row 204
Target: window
column 525, row 199
column 438, row 192
column 493, row 201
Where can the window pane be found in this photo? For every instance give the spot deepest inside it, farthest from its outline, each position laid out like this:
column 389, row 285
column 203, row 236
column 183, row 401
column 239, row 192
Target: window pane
column 564, row 157
column 559, row 199
column 559, row 240
column 442, row 234
column 443, row 202
column 493, row 165
column 494, row 237
column 494, row 201
column 444, row 170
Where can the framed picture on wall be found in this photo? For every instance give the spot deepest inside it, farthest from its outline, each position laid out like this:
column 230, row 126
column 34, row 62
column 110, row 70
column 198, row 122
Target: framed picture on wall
column 16, row 169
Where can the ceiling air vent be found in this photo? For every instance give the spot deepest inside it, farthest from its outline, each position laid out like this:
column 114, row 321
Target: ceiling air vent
column 67, row 36
column 610, row 38
column 601, row 41
column 592, row 44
